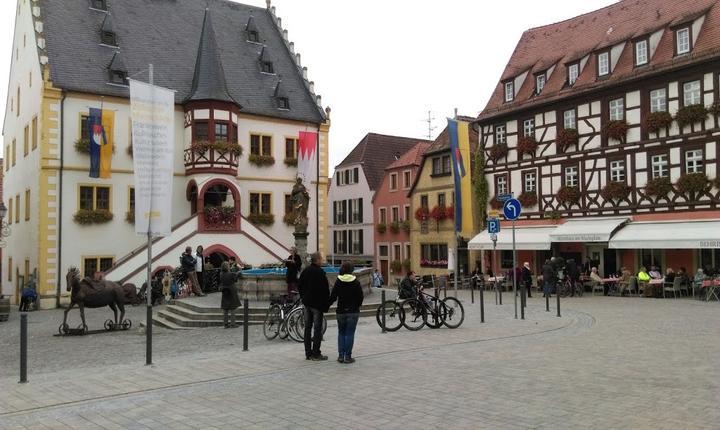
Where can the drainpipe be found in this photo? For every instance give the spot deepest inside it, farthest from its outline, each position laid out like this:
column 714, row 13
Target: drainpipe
column 60, row 201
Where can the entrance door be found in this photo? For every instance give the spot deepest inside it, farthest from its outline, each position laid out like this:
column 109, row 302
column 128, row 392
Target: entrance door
column 384, row 271
column 610, row 258
column 596, row 256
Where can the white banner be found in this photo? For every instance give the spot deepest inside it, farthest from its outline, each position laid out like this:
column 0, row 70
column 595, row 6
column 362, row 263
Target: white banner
column 152, row 111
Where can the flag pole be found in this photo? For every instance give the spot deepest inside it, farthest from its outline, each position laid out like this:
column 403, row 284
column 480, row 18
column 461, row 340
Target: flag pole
column 148, row 288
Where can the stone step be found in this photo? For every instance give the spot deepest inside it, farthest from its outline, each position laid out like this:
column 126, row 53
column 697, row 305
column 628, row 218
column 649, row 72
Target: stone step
column 200, row 316
column 193, row 323
column 159, row 321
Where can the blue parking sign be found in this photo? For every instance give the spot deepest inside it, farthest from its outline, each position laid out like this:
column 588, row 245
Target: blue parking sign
column 493, row 225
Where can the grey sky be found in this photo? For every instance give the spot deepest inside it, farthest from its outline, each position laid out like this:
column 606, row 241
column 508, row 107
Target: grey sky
column 382, row 64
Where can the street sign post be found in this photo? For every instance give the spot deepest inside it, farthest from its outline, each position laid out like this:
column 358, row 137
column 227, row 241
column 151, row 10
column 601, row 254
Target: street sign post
column 511, row 211
column 493, row 226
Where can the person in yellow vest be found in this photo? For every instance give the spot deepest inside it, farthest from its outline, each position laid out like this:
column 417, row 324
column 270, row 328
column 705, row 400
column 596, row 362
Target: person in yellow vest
column 643, row 282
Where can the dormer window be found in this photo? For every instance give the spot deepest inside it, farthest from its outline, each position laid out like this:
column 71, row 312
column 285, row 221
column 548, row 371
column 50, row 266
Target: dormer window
column 603, row 60
column 118, row 77
column 682, row 41
column 573, row 73
column 539, row 83
column 266, row 67
column 641, row 52
column 253, row 36
column 108, row 38
column 99, row 4
column 509, row 91
column 283, row 103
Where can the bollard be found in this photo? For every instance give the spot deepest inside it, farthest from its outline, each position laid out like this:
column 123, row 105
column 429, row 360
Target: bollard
column 501, row 291
column 472, row 293
column 482, row 307
column 382, row 304
column 148, row 329
column 23, row 348
column 547, row 302
column 246, row 323
column 558, row 303
column 522, row 302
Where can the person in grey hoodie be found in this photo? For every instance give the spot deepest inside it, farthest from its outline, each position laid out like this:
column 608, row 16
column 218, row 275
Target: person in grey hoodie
column 349, row 295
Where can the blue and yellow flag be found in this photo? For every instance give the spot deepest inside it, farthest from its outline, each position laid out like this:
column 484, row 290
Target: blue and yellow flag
column 460, row 151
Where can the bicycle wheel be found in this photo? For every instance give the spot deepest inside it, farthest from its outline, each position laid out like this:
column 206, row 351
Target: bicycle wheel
column 564, row 290
column 272, row 322
column 579, row 289
column 393, row 315
column 324, row 325
column 437, row 314
column 455, row 313
column 296, row 326
column 415, row 315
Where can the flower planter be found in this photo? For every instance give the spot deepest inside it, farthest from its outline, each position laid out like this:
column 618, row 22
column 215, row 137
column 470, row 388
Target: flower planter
column 615, row 191
column 292, row 162
column 289, row 218
column 658, row 187
column 689, row 115
column 381, row 228
column 528, row 199
column 405, row 225
column 566, row 138
column 82, row 146
column 568, row 196
column 261, row 160
column 422, row 213
column 714, row 109
column 616, row 129
column 395, row 227
column 450, row 212
column 262, row 219
column 657, row 121
column 498, row 151
column 89, row 216
column 433, row 263
column 552, row 215
column 526, row 145
column 693, row 184
column 495, row 203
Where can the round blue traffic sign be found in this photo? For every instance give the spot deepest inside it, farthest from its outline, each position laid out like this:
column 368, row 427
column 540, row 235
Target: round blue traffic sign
column 511, row 209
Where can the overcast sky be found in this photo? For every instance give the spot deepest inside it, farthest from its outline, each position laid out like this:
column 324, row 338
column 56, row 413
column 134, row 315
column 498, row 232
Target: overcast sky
column 381, row 65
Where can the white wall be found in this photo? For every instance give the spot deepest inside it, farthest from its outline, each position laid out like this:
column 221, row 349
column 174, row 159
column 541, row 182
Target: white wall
column 349, row 192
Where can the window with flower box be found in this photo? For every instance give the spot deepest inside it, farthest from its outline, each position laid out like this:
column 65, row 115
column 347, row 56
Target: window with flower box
column 260, row 144
column 94, row 197
column 617, row 109
column 260, row 203
column 659, row 165
column 571, row 176
column 694, row 161
column 617, row 171
column 529, row 182
column 433, row 255
column 529, row 127
column 691, row 93
column 383, row 215
column 658, row 100
column 569, row 119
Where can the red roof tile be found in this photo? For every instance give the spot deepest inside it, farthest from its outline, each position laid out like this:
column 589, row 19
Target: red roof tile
column 413, row 157
column 570, row 40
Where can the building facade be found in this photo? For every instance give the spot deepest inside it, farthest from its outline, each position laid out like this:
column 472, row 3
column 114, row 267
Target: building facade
column 432, row 196
column 605, row 126
column 352, row 188
column 391, row 207
column 242, row 97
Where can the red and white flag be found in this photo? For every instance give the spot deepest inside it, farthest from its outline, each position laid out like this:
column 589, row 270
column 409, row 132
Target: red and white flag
column 307, row 157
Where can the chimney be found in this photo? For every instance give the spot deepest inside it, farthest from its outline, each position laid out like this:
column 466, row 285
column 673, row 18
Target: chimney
column 268, row 3
column 292, row 47
column 285, row 35
column 319, row 100
column 272, row 10
column 297, row 59
column 455, row 113
column 312, row 87
column 279, row 22
column 304, row 72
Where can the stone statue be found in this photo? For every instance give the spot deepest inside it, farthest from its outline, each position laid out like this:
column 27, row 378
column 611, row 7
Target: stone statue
column 300, row 201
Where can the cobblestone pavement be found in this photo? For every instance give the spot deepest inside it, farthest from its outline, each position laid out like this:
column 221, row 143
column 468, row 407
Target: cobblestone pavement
column 608, row 362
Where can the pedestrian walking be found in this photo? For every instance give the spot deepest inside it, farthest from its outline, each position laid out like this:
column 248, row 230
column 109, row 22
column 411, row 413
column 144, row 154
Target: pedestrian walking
column 349, row 295
column 548, row 273
column 188, row 263
column 200, row 267
column 377, row 279
column 315, row 294
column 230, row 300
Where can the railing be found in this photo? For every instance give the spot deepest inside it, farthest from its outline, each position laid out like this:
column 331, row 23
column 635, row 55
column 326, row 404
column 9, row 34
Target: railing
column 210, row 160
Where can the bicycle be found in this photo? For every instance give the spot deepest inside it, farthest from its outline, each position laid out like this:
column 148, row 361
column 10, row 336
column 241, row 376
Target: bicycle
column 275, row 322
column 430, row 310
column 393, row 314
column 568, row 287
column 296, row 324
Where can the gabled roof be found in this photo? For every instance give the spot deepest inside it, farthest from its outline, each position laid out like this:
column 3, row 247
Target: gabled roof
column 209, row 78
column 375, row 152
column 167, row 34
column 576, row 38
column 413, row 157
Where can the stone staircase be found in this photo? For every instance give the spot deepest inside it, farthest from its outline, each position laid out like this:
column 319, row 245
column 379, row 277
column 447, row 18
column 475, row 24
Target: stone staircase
column 197, row 312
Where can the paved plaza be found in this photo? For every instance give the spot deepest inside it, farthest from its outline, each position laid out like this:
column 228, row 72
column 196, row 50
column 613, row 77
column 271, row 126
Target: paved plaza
column 608, row 362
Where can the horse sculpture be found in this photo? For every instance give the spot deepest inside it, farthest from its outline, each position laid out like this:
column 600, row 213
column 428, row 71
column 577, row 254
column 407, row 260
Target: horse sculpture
column 93, row 294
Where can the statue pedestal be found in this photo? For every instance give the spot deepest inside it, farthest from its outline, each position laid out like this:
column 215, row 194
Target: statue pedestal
column 301, row 246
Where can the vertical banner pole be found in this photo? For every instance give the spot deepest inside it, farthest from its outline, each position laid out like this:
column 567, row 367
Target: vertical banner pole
column 148, row 289
column 514, row 272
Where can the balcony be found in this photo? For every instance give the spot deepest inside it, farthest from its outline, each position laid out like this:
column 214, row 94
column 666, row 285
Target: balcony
column 217, row 157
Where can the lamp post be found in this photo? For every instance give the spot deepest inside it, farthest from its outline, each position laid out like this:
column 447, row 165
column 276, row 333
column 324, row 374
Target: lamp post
column 4, row 227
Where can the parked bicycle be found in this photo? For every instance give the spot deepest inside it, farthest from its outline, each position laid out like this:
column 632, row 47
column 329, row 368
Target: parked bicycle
column 415, row 313
column 286, row 318
column 567, row 287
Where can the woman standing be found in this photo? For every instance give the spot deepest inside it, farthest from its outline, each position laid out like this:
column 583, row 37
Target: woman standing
column 230, row 300
column 348, row 292
column 200, row 267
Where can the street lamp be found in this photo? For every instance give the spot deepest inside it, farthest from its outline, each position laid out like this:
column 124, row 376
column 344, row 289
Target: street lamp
column 4, row 227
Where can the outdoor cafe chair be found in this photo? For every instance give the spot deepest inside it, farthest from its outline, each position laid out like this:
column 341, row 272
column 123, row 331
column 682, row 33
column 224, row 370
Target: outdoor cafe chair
column 673, row 286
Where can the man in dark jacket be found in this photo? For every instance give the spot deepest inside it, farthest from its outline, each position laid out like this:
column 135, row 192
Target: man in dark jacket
column 315, row 294
column 408, row 286
column 349, row 294
column 188, row 263
column 573, row 272
column 293, row 265
column 548, row 273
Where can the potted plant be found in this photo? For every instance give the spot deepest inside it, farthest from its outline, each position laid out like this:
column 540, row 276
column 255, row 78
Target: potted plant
column 130, row 217
column 693, row 184
column 92, row 216
column 225, row 146
column 495, row 203
column 615, row 191
column 688, row 115
column 261, row 160
column 656, row 121
column 528, row 199
column 552, row 215
column 616, row 129
column 526, row 145
column 568, row 196
column 82, row 146
column 438, row 213
column 263, row 219
column 498, row 151
column 396, row 266
column 405, row 226
column 291, row 162
column 450, row 212
column 395, row 227
column 381, row 227
column 422, row 213
column 658, row 187
column 566, row 138
column 714, row 109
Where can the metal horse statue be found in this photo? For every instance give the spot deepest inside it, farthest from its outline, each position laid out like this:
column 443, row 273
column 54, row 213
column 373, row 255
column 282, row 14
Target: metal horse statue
column 93, row 294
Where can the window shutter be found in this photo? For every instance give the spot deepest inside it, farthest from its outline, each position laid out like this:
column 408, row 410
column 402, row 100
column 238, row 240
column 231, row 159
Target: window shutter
column 360, row 210
column 337, row 179
column 335, row 220
column 345, row 211
column 357, row 175
column 360, row 236
column 335, row 244
column 345, row 241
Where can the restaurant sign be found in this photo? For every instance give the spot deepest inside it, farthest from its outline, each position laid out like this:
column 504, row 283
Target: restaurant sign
column 587, row 237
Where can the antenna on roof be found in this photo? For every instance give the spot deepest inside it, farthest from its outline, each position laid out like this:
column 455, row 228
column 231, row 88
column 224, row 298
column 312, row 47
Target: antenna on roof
column 429, row 121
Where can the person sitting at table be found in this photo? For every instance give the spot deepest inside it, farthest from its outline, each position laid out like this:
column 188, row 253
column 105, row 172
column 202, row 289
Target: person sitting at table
column 669, row 276
column 624, row 281
column 684, row 280
column 643, row 278
column 595, row 279
column 698, row 283
column 655, row 273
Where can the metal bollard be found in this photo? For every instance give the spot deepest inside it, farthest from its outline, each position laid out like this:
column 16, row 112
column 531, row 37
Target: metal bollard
column 382, row 304
column 547, row 303
column 472, row 293
column 558, row 303
column 522, row 302
column 23, row 348
column 501, row 291
column 246, row 323
column 482, row 307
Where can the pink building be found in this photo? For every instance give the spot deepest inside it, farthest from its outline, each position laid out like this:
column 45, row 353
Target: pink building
column 391, row 205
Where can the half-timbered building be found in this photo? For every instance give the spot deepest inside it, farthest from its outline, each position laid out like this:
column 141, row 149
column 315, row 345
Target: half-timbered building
column 605, row 126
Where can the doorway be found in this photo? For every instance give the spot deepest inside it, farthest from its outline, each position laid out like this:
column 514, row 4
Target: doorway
column 384, row 266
